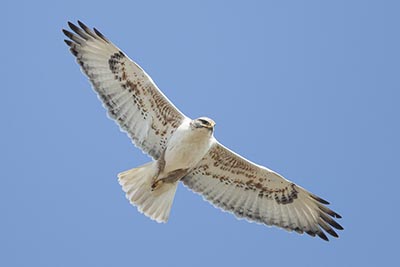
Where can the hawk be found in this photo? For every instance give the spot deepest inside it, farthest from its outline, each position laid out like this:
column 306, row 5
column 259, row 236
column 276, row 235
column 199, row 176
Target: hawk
column 185, row 150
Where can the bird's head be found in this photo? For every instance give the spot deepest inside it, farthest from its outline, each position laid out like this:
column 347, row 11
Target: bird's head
column 203, row 122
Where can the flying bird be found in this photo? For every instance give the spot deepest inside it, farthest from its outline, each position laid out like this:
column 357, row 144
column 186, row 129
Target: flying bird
column 185, row 150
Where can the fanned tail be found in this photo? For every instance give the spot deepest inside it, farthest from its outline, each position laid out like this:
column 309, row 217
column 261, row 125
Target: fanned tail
column 137, row 182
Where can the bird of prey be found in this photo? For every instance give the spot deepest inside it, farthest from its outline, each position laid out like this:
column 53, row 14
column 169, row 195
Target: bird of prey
column 185, row 150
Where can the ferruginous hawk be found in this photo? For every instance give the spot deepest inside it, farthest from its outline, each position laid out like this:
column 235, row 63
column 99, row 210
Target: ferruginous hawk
column 186, row 150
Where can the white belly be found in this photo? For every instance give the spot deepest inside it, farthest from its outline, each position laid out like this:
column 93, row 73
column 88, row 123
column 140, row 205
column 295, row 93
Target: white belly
column 186, row 147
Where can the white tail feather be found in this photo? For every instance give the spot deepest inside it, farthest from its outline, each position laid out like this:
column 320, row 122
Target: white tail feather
column 137, row 183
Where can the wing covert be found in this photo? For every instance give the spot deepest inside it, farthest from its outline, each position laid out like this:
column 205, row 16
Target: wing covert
column 127, row 92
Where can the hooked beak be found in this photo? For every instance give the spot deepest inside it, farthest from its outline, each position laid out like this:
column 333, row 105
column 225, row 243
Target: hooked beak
column 212, row 123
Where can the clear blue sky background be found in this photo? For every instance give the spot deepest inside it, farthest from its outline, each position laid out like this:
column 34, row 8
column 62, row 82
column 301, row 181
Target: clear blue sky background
column 307, row 88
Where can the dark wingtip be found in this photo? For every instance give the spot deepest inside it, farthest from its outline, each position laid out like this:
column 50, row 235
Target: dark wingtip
column 331, row 221
column 84, row 27
column 71, row 25
column 68, row 42
column 68, row 33
column 320, row 200
column 81, row 24
column 327, row 210
column 335, row 225
column 78, row 31
column 338, row 226
column 323, row 236
column 74, row 52
column 87, row 29
column 311, row 233
column 100, row 35
column 332, row 233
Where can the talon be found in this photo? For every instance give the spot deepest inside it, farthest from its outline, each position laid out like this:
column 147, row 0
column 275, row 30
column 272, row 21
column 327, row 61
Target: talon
column 156, row 184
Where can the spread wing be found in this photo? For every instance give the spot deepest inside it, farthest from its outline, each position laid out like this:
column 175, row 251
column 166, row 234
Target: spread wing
column 258, row 194
column 129, row 94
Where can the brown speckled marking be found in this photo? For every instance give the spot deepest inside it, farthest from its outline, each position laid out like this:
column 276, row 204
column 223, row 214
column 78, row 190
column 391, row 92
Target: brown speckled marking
column 224, row 161
column 148, row 100
column 164, row 114
column 157, row 102
column 227, row 162
column 117, row 67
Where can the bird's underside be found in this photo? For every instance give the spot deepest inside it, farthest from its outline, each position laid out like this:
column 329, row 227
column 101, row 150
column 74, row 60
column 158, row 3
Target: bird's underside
column 185, row 150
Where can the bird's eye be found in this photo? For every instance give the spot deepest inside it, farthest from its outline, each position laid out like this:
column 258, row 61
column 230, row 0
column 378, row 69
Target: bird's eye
column 204, row 122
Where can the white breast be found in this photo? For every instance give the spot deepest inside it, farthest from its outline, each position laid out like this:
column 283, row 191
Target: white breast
column 186, row 147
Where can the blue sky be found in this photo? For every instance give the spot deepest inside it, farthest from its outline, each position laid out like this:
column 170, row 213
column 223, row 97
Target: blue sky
column 309, row 89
